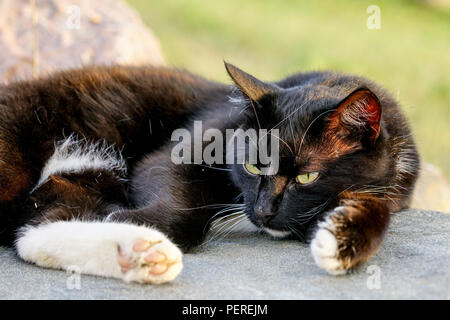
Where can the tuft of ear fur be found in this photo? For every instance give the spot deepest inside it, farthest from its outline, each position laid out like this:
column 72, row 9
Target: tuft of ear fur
column 359, row 113
column 253, row 88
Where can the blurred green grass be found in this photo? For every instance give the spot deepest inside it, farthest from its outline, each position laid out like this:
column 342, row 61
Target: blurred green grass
column 409, row 55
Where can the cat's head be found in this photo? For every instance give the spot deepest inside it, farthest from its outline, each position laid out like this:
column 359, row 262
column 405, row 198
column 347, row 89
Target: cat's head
column 331, row 138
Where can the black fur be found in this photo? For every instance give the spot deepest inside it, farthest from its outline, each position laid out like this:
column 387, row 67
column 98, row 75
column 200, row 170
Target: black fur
column 136, row 109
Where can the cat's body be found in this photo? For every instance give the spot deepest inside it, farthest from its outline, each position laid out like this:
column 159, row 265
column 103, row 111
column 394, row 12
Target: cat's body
column 94, row 145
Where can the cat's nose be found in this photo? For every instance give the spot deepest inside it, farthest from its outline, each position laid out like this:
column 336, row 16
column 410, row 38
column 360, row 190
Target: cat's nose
column 264, row 215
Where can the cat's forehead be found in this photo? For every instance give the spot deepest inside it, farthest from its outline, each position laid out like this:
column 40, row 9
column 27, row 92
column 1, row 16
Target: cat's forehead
column 302, row 101
column 299, row 109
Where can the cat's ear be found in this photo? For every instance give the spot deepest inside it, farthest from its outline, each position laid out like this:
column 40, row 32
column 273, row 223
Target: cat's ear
column 253, row 88
column 360, row 113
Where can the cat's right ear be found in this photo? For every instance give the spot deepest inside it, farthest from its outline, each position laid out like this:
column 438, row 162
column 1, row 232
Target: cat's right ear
column 253, row 88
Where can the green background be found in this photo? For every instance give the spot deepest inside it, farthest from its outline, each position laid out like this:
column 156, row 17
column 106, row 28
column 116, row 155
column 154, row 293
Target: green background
column 409, row 55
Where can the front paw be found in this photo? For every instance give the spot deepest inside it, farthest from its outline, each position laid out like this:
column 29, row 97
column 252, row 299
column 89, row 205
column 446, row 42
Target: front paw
column 342, row 240
column 325, row 251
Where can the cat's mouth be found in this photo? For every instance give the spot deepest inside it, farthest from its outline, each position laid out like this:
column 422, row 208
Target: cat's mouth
column 277, row 233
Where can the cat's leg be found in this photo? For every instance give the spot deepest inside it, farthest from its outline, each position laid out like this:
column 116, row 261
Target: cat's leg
column 350, row 234
column 118, row 250
column 80, row 186
column 69, row 229
column 187, row 228
column 179, row 200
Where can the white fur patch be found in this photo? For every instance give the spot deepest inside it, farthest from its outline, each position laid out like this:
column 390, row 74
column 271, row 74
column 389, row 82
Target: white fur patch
column 406, row 159
column 406, row 162
column 324, row 249
column 277, row 233
column 74, row 155
column 237, row 98
column 93, row 247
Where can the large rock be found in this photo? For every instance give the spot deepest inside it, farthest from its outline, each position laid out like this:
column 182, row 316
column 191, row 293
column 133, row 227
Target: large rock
column 72, row 33
column 445, row 4
column 413, row 263
column 432, row 190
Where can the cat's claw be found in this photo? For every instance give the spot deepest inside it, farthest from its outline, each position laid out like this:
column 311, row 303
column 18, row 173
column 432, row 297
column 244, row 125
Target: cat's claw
column 147, row 261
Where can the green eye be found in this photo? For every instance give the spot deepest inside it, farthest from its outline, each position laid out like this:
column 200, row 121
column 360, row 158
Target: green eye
column 252, row 169
column 307, row 178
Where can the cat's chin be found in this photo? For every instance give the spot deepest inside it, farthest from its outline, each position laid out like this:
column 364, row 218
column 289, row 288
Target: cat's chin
column 276, row 233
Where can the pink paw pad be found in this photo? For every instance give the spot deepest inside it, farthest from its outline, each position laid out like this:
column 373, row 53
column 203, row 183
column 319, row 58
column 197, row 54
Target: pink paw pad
column 144, row 255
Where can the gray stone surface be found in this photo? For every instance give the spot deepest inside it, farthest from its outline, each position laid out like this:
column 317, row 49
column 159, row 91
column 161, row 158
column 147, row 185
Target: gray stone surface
column 414, row 263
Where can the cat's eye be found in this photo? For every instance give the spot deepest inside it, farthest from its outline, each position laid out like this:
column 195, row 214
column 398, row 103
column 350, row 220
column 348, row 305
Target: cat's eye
column 307, row 178
column 252, row 169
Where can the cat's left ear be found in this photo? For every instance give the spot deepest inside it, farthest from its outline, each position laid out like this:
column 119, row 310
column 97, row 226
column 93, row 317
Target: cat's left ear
column 253, row 88
column 359, row 113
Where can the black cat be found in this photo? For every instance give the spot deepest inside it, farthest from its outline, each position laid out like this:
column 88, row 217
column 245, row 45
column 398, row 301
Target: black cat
column 87, row 176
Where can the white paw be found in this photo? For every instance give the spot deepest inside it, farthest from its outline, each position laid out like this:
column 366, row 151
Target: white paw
column 108, row 249
column 149, row 260
column 324, row 248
